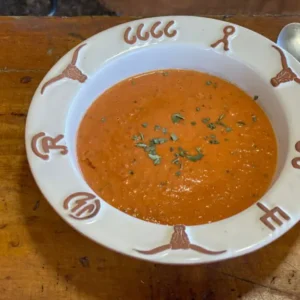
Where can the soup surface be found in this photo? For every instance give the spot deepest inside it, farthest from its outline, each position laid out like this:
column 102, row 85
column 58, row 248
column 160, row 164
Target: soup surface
column 177, row 147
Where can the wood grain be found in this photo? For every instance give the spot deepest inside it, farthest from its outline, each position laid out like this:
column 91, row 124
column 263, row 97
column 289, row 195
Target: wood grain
column 201, row 7
column 41, row 257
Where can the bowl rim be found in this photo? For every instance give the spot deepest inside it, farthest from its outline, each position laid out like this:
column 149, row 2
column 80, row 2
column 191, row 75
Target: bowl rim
column 47, row 151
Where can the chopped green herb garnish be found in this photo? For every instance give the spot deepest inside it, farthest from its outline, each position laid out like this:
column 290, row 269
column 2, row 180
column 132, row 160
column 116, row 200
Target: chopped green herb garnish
column 174, row 137
column 198, row 108
column 131, row 172
column 193, row 123
column 135, row 138
column 133, row 82
column 181, row 152
column 145, row 125
column 212, row 136
column 175, row 161
column 165, row 73
column 221, row 117
column 254, row 118
column 164, row 130
column 196, row 157
column 178, row 173
column 176, row 118
column 141, row 145
column 240, row 123
column 151, row 149
column 155, row 158
column 156, row 141
column 103, row 119
column 141, row 136
column 214, row 142
column 208, row 82
column 228, row 129
column 206, row 120
column 156, row 127
column 255, row 97
column 211, row 126
column 220, row 123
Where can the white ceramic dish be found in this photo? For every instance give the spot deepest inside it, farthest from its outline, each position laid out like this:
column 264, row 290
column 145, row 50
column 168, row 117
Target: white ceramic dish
column 226, row 50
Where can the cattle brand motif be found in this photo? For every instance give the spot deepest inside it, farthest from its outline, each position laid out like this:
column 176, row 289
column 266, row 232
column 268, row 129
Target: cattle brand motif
column 155, row 32
column 228, row 30
column 42, row 145
column 296, row 160
column 71, row 72
column 270, row 214
column 82, row 205
column 179, row 241
column 286, row 74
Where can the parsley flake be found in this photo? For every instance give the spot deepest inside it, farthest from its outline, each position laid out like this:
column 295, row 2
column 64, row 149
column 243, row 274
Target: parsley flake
column 176, row 118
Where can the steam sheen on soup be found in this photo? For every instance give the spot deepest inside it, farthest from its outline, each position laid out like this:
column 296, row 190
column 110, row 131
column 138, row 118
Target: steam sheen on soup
column 177, row 147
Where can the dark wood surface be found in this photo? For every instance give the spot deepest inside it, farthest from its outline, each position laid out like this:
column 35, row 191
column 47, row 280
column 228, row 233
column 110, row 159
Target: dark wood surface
column 41, row 257
column 202, row 7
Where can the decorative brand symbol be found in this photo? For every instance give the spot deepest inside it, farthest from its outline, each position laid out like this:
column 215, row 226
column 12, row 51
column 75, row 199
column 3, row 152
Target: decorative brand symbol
column 286, row 74
column 272, row 215
column 155, row 34
column 228, row 30
column 71, row 72
column 47, row 143
column 179, row 240
column 82, row 206
column 296, row 160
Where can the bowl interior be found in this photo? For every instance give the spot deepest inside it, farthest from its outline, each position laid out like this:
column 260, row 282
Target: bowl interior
column 179, row 56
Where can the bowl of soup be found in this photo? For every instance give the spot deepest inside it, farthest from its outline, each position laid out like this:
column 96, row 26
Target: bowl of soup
column 171, row 139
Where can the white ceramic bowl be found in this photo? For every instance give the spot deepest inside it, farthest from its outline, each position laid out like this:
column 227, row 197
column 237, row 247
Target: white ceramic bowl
column 232, row 52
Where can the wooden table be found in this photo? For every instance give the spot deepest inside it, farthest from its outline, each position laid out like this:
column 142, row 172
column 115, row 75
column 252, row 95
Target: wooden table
column 41, row 257
column 200, row 7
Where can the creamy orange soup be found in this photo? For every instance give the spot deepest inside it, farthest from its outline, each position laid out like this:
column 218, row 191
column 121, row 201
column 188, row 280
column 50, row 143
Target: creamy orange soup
column 177, row 147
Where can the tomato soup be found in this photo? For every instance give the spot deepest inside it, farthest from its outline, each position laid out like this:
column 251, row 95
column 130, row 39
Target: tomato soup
column 177, row 147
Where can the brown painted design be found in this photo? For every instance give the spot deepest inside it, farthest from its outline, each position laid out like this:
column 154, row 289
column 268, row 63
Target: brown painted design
column 296, row 160
column 286, row 74
column 179, row 241
column 228, row 30
column 152, row 32
column 139, row 35
column 71, row 72
column 170, row 33
column 272, row 215
column 47, row 143
column 82, row 205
